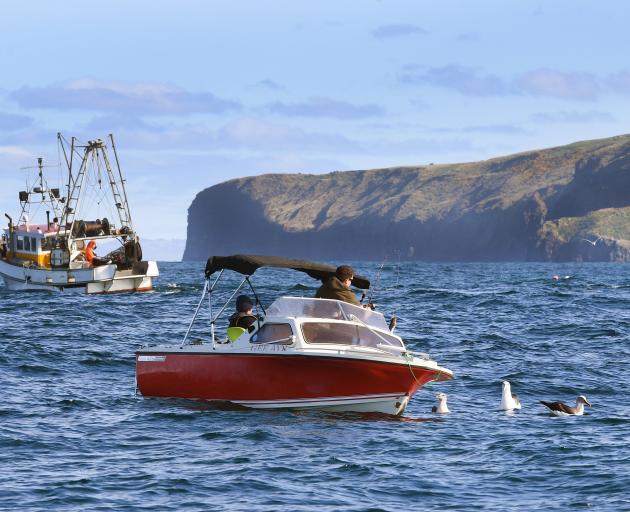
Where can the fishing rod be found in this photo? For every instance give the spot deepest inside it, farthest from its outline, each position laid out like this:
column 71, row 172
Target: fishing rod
column 376, row 284
column 394, row 319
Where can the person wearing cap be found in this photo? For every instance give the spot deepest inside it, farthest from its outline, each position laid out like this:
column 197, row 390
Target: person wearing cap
column 243, row 317
column 338, row 286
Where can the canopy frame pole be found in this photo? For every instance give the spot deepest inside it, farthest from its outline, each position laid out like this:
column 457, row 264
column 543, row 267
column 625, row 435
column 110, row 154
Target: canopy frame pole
column 258, row 303
column 256, row 296
column 203, row 294
column 215, row 281
column 210, row 306
column 227, row 302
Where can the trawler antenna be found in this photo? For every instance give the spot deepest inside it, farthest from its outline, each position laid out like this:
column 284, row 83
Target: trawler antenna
column 122, row 181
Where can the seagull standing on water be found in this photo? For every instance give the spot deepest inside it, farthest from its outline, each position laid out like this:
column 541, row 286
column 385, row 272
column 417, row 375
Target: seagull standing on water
column 562, row 409
column 509, row 402
column 441, row 407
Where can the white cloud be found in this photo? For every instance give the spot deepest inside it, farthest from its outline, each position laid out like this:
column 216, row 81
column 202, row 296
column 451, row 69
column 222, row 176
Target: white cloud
column 559, row 84
column 251, row 134
column 620, row 82
column 141, row 98
column 15, row 151
column 506, row 129
column 466, row 80
column 570, row 85
column 573, row 117
column 262, row 135
column 326, row 107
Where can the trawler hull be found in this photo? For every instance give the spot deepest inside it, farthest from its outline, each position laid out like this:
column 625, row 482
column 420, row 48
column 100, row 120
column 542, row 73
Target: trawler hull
column 103, row 279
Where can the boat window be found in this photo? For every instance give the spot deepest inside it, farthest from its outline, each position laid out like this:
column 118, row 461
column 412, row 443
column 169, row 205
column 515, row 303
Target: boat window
column 20, row 243
column 46, row 244
column 34, row 244
column 27, row 243
column 346, row 334
column 277, row 334
column 325, row 308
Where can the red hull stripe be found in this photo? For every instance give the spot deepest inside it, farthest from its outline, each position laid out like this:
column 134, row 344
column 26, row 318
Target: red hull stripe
column 146, row 352
column 258, row 377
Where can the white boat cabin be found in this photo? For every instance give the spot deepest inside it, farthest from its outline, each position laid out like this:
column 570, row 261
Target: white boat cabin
column 303, row 322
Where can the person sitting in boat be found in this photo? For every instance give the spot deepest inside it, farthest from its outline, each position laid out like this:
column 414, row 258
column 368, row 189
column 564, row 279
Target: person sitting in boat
column 90, row 255
column 338, row 286
column 243, row 317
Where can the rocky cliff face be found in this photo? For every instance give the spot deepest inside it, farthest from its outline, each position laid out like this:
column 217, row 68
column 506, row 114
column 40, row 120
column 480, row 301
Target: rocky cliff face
column 539, row 205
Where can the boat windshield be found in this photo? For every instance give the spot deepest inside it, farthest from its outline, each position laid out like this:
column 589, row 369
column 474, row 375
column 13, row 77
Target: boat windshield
column 339, row 333
column 325, row 308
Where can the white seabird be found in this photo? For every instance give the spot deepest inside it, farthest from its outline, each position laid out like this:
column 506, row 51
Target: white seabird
column 441, row 407
column 591, row 242
column 562, row 409
column 509, row 402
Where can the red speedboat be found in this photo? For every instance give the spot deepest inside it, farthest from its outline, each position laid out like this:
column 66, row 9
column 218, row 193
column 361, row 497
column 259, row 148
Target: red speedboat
column 301, row 353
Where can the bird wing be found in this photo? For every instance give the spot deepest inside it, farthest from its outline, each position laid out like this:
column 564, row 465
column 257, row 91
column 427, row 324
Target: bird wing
column 559, row 407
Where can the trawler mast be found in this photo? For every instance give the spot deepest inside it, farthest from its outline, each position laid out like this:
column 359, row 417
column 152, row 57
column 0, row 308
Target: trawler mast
column 95, row 154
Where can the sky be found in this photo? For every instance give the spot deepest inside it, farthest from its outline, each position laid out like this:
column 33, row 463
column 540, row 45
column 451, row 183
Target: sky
column 199, row 92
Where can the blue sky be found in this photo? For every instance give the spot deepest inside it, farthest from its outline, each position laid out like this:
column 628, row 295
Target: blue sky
column 198, row 92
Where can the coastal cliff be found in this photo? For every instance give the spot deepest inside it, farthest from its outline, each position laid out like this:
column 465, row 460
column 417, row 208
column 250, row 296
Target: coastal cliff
column 570, row 203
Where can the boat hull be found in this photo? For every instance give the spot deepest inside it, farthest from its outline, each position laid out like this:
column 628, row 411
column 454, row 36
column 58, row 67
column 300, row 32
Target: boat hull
column 283, row 380
column 103, row 279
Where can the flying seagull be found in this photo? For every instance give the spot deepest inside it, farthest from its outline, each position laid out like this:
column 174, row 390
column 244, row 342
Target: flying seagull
column 441, row 407
column 509, row 402
column 562, row 409
column 591, row 242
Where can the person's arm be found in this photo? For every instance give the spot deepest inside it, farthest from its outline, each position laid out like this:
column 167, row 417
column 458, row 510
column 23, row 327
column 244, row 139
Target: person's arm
column 350, row 297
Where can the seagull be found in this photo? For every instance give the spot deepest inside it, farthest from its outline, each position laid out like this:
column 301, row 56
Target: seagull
column 562, row 409
column 441, row 407
column 591, row 242
column 509, row 402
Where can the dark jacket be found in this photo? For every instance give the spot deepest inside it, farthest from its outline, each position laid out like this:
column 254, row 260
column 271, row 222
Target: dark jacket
column 334, row 289
column 243, row 320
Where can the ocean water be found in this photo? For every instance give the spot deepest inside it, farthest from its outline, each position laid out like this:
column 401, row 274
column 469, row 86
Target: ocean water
column 75, row 436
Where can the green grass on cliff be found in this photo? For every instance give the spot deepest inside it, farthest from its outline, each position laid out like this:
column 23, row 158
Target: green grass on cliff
column 608, row 223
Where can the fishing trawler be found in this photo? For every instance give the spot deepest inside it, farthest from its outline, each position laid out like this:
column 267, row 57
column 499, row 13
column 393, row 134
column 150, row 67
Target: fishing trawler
column 58, row 251
column 299, row 353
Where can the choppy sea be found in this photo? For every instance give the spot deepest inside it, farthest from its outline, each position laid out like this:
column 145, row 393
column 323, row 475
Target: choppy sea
column 75, row 436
